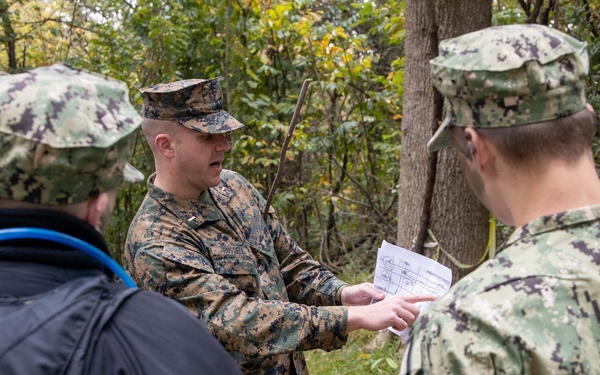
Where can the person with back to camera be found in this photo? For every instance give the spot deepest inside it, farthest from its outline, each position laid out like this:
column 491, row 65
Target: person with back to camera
column 64, row 137
column 523, row 131
column 199, row 237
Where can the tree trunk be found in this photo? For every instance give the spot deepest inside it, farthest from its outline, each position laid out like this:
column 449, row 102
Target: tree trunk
column 9, row 38
column 433, row 193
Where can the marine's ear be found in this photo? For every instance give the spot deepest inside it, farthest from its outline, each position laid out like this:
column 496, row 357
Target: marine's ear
column 165, row 144
column 478, row 149
column 589, row 107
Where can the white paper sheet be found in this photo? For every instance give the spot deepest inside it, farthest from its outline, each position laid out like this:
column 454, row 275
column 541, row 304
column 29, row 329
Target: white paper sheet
column 401, row 272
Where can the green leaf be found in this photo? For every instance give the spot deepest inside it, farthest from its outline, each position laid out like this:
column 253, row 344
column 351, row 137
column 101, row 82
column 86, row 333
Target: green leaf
column 393, row 364
column 375, row 363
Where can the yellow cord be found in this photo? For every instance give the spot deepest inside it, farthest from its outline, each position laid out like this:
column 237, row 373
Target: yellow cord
column 489, row 249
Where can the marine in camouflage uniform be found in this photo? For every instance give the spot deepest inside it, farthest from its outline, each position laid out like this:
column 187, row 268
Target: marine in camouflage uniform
column 534, row 308
column 199, row 237
column 218, row 257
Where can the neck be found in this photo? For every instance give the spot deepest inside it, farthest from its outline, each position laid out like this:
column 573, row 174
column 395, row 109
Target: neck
column 560, row 187
column 167, row 180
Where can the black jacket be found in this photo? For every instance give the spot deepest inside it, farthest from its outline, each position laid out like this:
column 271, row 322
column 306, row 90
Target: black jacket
column 146, row 333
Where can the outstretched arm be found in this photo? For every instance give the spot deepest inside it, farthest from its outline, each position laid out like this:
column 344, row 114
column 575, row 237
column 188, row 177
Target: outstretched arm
column 398, row 313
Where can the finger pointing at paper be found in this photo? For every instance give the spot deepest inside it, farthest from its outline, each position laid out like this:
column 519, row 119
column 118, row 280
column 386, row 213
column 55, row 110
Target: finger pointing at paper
column 396, row 312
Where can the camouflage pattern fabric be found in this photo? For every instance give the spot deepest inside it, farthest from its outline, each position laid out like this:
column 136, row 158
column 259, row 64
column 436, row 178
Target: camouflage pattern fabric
column 246, row 279
column 509, row 75
column 531, row 310
column 194, row 103
column 64, row 135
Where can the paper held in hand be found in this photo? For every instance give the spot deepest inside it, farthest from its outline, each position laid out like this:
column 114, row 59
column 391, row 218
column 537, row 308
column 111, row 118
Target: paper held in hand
column 401, row 272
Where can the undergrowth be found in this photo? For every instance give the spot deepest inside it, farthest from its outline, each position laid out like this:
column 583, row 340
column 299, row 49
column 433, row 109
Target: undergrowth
column 360, row 356
column 355, row 358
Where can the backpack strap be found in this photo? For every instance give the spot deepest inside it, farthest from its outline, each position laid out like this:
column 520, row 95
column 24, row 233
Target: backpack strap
column 117, row 295
column 56, row 332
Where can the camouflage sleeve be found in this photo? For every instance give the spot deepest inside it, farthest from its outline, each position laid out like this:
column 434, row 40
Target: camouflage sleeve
column 243, row 324
column 307, row 280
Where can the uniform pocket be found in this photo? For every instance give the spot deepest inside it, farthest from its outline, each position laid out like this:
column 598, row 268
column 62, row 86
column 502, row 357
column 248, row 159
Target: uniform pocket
column 239, row 270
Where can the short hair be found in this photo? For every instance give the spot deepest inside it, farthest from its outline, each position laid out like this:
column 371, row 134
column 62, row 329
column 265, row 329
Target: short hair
column 153, row 127
column 528, row 146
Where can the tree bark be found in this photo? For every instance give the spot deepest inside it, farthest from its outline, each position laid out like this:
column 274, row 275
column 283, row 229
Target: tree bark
column 9, row 38
column 417, row 119
column 453, row 213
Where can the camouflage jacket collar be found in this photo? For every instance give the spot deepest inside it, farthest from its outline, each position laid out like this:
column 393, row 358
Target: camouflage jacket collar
column 554, row 222
column 194, row 213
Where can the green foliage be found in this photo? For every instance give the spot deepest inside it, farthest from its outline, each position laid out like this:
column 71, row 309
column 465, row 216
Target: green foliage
column 360, row 355
column 356, row 358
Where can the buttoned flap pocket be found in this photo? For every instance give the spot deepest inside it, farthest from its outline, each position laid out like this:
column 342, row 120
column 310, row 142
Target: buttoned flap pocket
column 238, row 269
column 234, row 264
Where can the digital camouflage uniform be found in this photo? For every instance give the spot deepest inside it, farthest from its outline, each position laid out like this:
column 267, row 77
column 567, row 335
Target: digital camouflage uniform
column 257, row 291
column 534, row 308
column 51, row 137
column 531, row 310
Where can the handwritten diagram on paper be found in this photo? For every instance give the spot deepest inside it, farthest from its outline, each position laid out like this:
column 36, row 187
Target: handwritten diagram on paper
column 402, row 272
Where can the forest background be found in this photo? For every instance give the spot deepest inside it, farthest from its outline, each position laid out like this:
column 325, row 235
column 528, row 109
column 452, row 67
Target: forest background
column 340, row 191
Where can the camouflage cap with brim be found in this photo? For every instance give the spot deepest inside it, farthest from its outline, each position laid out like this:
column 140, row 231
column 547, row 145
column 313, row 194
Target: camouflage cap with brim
column 507, row 76
column 194, row 103
column 64, row 135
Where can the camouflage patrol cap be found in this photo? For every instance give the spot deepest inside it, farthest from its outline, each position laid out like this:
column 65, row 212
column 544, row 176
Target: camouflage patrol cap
column 64, row 135
column 508, row 75
column 194, row 103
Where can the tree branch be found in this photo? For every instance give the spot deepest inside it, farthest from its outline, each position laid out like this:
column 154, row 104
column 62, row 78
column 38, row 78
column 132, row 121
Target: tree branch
column 588, row 16
column 526, row 5
column 537, row 7
column 286, row 142
column 382, row 218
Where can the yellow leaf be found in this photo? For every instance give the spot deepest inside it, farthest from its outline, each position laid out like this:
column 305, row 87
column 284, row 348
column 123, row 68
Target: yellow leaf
column 334, row 49
column 264, row 58
column 326, row 40
column 340, row 32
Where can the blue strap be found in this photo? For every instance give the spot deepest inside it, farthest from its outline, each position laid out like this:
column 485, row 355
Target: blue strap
column 65, row 239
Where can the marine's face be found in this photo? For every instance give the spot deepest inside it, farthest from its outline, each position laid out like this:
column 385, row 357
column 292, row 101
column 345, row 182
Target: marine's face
column 199, row 158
